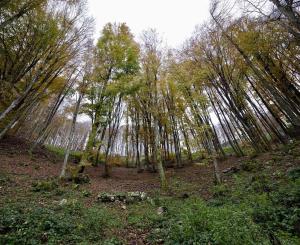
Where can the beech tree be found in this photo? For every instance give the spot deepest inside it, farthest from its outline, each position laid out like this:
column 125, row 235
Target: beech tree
column 116, row 60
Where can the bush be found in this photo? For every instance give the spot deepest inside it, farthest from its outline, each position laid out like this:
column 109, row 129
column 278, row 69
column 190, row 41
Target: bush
column 45, row 185
column 251, row 165
column 220, row 190
column 294, row 173
column 260, row 183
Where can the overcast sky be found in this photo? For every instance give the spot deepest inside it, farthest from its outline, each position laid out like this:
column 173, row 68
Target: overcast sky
column 175, row 20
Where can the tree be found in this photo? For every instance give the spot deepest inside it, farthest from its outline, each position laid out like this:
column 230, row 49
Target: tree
column 116, row 60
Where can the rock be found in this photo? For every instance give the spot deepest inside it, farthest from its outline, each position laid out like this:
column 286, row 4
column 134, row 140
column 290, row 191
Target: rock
column 161, row 210
column 105, row 197
column 129, row 200
column 123, row 207
column 44, row 237
column 184, row 196
column 160, row 241
column 121, row 197
column 231, row 170
column 151, row 201
column 86, row 193
column 136, row 196
column 129, row 197
column 63, row 202
column 81, row 178
column 143, row 196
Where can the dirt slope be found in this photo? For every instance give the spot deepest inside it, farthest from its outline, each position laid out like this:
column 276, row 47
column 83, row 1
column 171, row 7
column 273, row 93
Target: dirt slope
column 24, row 168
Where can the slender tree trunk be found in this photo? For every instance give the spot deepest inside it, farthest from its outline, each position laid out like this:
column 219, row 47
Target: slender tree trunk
column 217, row 171
column 70, row 137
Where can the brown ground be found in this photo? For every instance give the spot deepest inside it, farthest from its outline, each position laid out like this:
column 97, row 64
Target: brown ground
column 24, row 169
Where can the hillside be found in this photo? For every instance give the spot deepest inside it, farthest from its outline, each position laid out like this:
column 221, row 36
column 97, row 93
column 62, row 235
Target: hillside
column 36, row 208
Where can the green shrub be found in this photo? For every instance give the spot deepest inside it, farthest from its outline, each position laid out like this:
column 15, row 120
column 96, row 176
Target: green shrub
column 112, row 241
column 44, row 185
column 294, row 173
column 251, row 165
column 74, row 156
column 260, row 183
column 86, row 193
column 220, row 190
column 279, row 210
column 4, row 179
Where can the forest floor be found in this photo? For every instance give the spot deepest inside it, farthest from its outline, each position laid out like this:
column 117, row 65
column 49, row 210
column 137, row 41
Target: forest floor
column 26, row 169
column 21, row 175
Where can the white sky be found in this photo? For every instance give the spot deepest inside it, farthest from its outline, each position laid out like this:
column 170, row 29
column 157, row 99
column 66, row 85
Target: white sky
column 175, row 20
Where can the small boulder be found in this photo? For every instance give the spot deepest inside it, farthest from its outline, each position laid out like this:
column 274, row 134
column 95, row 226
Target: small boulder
column 63, row 202
column 161, row 210
column 105, row 197
column 129, row 197
column 231, row 170
column 184, row 196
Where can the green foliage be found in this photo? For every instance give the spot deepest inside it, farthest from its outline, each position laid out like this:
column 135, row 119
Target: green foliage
column 294, row 173
column 199, row 155
column 74, row 156
column 193, row 222
column 44, row 186
column 228, row 150
column 220, row 190
column 68, row 224
column 279, row 213
column 112, row 241
column 144, row 215
column 260, row 183
column 4, row 179
column 272, row 200
column 86, row 193
column 250, row 165
column 117, row 49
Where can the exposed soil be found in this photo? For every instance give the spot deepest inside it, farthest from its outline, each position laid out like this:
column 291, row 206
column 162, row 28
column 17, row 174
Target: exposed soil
column 25, row 168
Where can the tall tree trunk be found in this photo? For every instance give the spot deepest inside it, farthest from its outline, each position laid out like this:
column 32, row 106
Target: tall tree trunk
column 70, row 137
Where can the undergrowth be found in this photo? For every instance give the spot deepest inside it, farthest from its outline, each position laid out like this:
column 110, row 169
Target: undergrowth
column 261, row 205
column 57, row 224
